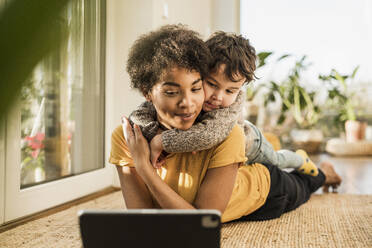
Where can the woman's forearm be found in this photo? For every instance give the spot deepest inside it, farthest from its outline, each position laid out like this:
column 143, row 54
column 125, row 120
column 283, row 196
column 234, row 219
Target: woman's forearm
column 135, row 193
column 164, row 195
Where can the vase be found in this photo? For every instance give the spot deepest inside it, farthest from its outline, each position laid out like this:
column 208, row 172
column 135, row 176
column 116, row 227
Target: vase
column 355, row 130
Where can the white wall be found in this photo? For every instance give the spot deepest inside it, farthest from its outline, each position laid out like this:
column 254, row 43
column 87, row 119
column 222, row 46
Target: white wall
column 124, row 24
column 226, row 15
column 196, row 14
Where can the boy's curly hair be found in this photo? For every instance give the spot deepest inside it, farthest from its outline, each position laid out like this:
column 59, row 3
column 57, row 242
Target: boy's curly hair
column 156, row 52
column 235, row 52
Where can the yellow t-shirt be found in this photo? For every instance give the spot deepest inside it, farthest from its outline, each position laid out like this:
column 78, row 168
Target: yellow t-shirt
column 184, row 172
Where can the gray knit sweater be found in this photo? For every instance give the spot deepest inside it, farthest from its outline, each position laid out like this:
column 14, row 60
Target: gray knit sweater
column 210, row 129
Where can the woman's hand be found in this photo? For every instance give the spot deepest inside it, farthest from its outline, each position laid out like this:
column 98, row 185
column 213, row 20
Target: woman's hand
column 137, row 144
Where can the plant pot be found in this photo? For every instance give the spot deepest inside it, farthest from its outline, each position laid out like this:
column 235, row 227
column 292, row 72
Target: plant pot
column 368, row 133
column 355, row 130
column 308, row 140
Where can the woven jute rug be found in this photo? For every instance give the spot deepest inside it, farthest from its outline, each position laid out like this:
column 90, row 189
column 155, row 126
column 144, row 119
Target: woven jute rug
column 329, row 220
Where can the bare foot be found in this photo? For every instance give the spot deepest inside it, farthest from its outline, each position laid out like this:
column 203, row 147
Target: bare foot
column 332, row 178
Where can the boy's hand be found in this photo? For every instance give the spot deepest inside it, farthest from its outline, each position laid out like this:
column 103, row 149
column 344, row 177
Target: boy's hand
column 156, row 148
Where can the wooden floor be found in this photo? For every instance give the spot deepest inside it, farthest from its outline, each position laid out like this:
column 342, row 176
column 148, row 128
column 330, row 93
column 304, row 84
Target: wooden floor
column 356, row 172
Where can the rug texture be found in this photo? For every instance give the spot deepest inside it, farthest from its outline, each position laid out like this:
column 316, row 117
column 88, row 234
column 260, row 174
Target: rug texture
column 329, row 220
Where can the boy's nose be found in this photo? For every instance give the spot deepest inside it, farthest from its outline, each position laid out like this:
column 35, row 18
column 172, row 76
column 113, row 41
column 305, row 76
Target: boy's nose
column 217, row 95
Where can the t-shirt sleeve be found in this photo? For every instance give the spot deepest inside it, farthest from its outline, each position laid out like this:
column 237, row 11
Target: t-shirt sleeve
column 230, row 151
column 120, row 154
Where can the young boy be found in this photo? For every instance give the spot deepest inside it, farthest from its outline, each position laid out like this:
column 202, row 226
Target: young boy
column 233, row 64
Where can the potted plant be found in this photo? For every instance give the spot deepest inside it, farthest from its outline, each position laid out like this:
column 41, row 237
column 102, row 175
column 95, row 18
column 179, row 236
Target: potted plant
column 341, row 99
column 251, row 106
column 297, row 104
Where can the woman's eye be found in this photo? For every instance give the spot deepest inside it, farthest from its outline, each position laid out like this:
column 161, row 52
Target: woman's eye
column 196, row 89
column 171, row 93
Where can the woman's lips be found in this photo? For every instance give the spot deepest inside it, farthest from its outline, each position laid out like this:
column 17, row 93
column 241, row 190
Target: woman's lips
column 186, row 116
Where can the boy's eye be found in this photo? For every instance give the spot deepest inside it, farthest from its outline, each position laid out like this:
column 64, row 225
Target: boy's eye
column 230, row 91
column 211, row 84
column 196, row 89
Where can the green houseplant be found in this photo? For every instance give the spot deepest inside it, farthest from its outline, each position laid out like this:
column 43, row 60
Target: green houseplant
column 297, row 101
column 251, row 107
column 341, row 100
column 27, row 31
column 252, row 90
column 298, row 107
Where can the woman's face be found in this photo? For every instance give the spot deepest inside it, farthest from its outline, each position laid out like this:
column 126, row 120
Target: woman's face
column 178, row 98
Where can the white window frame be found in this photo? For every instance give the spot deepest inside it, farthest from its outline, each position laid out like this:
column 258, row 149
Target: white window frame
column 15, row 202
column 23, row 202
column 2, row 155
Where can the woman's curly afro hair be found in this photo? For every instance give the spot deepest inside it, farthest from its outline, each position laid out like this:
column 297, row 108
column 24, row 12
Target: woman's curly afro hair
column 153, row 54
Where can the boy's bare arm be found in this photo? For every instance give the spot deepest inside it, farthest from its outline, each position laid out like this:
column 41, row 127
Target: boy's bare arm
column 213, row 128
column 145, row 117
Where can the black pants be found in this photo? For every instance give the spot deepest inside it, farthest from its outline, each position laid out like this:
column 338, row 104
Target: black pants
column 287, row 192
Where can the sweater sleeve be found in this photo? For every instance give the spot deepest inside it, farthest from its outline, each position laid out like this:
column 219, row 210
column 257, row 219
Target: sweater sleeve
column 145, row 117
column 213, row 128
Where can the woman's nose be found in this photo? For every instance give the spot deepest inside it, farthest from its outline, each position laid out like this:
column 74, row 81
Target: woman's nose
column 186, row 100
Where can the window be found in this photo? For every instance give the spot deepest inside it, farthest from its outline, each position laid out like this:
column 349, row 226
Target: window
column 334, row 34
column 62, row 106
column 54, row 138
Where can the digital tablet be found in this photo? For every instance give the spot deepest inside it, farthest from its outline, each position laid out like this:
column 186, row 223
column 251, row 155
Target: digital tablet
column 150, row 228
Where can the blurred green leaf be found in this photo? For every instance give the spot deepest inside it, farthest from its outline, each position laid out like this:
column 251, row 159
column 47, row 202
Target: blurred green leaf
column 249, row 93
column 281, row 118
column 271, row 97
column 284, row 108
column 262, row 56
column 341, row 97
column 302, row 60
column 324, row 78
column 28, row 34
column 283, row 57
column 354, row 72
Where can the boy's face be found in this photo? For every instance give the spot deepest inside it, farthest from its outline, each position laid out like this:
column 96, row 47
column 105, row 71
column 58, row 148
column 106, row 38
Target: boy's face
column 219, row 90
column 178, row 98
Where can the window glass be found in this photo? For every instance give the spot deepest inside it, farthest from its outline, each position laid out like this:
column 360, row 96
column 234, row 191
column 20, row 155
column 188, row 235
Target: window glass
column 62, row 116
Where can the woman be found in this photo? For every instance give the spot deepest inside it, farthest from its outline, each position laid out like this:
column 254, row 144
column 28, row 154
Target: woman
column 168, row 66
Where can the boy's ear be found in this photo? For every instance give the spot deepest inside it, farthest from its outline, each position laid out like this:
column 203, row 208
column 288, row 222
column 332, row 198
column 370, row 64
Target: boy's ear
column 148, row 97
